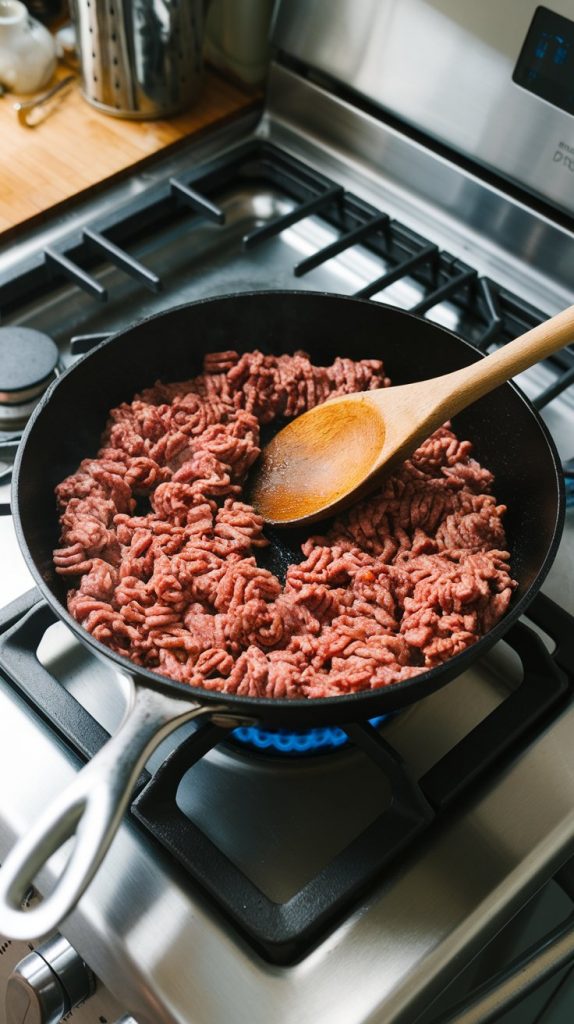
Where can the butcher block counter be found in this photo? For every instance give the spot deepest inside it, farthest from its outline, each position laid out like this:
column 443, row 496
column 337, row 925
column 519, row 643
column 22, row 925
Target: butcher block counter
column 76, row 148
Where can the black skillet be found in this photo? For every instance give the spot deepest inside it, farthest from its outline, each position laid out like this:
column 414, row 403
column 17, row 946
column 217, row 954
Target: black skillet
column 509, row 438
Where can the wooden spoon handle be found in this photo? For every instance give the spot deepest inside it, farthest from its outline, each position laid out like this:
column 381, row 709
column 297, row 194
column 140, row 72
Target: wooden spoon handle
column 514, row 357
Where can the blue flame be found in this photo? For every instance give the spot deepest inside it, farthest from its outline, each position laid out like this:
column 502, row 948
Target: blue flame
column 294, row 743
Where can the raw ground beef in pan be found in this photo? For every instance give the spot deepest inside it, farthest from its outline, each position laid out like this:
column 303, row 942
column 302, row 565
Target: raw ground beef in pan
column 404, row 580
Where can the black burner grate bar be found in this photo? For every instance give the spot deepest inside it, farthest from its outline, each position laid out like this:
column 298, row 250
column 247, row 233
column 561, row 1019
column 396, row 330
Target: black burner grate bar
column 63, row 265
column 405, row 791
column 425, row 255
column 554, row 389
column 19, row 641
column 197, row 201
column 267, row 163
column 82, row 343
column 542, row 689
column 17, row 609
column 123, row 260
column 57, row 705
column 9, row 441
column 487, row 294
column 519, row 317
column 8, row 450
column 557, row 622
column 9, row 447
column 445, row 291
column 305, row 209
column 344, row 242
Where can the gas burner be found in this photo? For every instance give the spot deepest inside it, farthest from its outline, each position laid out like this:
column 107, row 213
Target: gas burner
column 28, row 364
column 294, row 743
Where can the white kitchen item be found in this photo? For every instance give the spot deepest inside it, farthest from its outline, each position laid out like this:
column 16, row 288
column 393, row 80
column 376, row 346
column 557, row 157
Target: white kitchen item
column 27, row 49
column 67, row 46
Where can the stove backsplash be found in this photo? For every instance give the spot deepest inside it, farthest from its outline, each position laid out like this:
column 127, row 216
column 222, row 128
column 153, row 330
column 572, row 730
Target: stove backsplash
column 490, row 80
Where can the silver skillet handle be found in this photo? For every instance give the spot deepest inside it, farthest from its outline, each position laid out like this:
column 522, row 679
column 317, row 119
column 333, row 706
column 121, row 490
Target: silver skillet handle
column 91, row 807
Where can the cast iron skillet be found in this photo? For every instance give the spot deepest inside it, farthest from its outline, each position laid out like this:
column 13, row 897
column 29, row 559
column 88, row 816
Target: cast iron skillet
column 508, row 436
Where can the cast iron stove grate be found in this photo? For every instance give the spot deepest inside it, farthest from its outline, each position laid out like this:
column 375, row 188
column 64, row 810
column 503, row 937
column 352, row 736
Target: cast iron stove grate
column 488, row 313
column 494, row 313
column 284, row 932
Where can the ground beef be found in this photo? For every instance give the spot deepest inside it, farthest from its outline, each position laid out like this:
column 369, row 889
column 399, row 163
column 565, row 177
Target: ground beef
column 161, row 552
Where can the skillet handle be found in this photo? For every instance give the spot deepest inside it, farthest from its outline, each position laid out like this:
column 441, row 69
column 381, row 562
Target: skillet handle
column 91, row 809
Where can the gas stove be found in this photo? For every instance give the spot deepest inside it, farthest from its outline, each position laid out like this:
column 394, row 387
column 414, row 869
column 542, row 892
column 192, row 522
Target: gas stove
column 329, row 876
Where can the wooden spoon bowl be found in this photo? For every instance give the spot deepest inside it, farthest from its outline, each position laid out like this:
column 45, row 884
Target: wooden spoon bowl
column 337, row 452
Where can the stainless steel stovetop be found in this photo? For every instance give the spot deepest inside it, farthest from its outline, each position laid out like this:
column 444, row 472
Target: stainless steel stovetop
column 163, row 949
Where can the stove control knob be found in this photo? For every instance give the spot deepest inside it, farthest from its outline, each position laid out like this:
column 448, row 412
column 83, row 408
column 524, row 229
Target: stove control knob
column 47, row 984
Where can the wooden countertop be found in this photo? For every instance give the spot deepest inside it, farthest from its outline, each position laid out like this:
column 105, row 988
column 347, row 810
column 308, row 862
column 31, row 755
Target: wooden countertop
column 76, row 147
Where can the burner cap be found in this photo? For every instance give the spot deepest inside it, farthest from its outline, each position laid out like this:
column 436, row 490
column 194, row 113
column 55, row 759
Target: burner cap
column 28, row 360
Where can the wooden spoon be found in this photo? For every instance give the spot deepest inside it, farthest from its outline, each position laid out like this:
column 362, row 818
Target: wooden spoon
column 336, row 453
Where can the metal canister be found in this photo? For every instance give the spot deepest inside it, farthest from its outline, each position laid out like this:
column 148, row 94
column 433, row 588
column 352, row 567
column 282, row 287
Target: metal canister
column 139, row 58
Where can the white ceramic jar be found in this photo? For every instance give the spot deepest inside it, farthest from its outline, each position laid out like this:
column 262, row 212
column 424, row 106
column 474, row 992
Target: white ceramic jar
column 27, row 49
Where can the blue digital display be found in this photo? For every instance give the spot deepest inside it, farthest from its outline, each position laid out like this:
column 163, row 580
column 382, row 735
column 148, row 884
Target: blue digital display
column 546, row 63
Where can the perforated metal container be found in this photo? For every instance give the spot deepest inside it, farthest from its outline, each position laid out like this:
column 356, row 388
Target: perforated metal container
column 139, row 58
